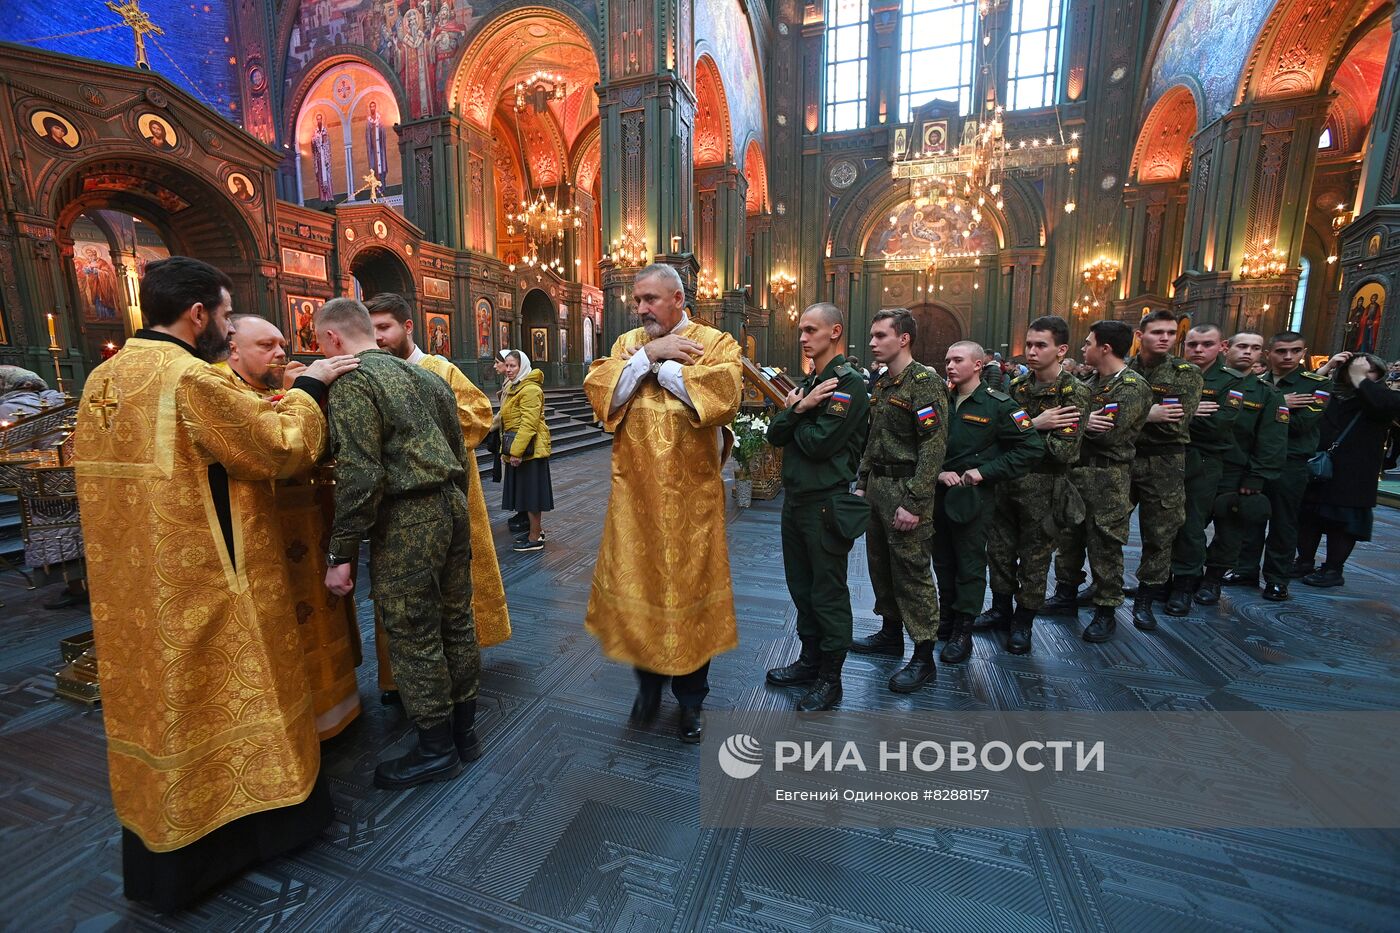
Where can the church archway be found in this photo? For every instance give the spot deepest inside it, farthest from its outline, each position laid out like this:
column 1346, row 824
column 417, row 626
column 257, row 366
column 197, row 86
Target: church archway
column 1163, row 151
column 539, row 333
column 343, row 132
column 377, row 270
column 939, row 328
column 177, row 212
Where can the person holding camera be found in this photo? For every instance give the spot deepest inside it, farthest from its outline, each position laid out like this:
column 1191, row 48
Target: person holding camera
column 1353, row 434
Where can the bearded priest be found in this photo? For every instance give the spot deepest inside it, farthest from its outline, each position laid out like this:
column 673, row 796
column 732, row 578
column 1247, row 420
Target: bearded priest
column 662, row 599
column 211, row 740
column 392, row 317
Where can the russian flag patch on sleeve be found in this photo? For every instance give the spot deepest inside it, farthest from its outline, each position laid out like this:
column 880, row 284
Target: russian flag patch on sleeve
column 1023, row 420
column 927, row 417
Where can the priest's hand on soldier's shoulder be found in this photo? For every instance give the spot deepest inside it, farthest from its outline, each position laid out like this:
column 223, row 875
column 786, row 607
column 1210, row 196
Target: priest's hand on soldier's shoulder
column 330, row 368
column 293, row 369
column 674, row 347
column 818, row 395
column 1054, row 419
column 339, row 579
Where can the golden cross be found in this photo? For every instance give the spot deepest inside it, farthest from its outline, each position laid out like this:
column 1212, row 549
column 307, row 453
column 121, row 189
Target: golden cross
column 373, row 183
column 140, row 23
column 106, row 404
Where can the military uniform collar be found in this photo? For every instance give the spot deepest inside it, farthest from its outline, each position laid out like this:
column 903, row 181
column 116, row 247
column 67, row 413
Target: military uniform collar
column 146, row 333
column 895, row 381
column 829, row 370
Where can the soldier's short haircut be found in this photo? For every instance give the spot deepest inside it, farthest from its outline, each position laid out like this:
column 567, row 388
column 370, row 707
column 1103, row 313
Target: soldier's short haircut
column 904, row 322
column 390, row 303
column 830, row 314
column 1206, row 327
column 1054, row 325
column 1116, row 335
column 1247, row 333
column 1285, row 336
column 1152, row 317
column 667, row 274
column 972, row 346
column 347, row 316
column 170, row 287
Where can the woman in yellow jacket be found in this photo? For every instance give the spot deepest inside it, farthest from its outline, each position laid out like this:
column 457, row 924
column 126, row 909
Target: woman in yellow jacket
column 525, row 447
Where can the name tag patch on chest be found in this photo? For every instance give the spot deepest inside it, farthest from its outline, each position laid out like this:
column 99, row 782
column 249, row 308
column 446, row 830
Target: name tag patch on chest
column 898, row 402
column 977, row 419
column 1253, row 406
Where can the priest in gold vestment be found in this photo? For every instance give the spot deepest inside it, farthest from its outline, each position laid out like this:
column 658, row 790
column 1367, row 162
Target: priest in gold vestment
column 330, row 633
column 392, row 316
column 212, row 749
column 661, row 598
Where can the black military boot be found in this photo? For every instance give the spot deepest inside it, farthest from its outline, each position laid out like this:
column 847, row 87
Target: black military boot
column 958, row 647
column 434, row 758
column 802, row 671
column 826, row 692
column 1019, row 640
column 920, row 669
column 1239, row 578
column 464, row 731
column 1179, row 600
column 1063, row 602
column 1102, row 626
column 1208, row 593
column 889, row 640
column 998, row 617
column 1143, row 617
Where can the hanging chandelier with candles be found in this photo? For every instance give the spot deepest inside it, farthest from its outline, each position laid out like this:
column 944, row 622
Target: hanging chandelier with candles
column 1263, row 262
column 544, row 219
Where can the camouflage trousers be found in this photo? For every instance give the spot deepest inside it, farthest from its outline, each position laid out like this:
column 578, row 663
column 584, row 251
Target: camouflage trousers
column 1159, row 492
column 1020, row 542
column 901, row 562
column 1203, row 474
column 1102, row 535
column 420, row 574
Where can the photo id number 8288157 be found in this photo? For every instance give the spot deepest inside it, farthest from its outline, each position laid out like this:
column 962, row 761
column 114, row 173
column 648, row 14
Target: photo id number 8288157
column 957, row 793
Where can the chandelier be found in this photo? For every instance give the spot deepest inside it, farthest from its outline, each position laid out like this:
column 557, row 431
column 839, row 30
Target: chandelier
column 782, row 286
column 629, row 250
column 543, row 219
column 1098, row 276
column 1263, row 263
column 707, row 286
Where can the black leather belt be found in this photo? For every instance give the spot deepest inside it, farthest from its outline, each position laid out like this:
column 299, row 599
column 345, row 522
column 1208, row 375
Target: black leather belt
column 892, row 469
column 1160, row 451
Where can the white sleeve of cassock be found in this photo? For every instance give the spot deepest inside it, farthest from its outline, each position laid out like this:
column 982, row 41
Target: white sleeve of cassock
column 672, row 379
column 632, row 375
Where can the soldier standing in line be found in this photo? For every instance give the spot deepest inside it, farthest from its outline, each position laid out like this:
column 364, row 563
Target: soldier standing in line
column 401, row 480
column 823, row 431
column 1212, row 435
column 898, row 474
column 1259, row 442
column 1159, row 465
column 1305, row 394
column 1030, row 509
column 1119, row 400
column 991, row 440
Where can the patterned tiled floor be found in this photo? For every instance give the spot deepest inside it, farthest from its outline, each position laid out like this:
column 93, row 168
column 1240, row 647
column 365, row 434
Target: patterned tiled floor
column 574, row 821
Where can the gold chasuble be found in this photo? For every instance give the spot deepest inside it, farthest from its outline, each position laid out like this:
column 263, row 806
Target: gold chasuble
column 488, row 592
column 330, row 633
column 662, row 599
column 204, row 689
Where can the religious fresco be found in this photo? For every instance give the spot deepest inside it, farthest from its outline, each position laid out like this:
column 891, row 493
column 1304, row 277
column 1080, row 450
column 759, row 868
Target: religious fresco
column 916, row 227
column 349, row 109
column 483, row 327
column 722, row 30
column 193, row 52
column 439, row 329
column 1232, row 26
column 98, row 282
column 54, row 128
column 1364, row 319
column 301, row 323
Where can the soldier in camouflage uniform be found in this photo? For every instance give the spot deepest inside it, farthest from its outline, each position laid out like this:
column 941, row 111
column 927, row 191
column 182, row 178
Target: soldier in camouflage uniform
column 1258, row 444
column 1021, row 536
column 991, row 440
column 1159, row 466
column 822, row 432
column 1119, row 400
column 1305, row 395
column 1212, row 434
column 908, row 434
column 401, row 480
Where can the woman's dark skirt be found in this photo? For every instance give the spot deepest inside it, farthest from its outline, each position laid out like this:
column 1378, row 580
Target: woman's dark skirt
column 527, row 488
column 1346, row 519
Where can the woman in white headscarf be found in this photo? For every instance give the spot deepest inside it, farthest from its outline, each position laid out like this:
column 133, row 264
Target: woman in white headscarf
column 525, row 447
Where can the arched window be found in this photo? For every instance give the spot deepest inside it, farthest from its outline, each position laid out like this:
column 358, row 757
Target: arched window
column 1033, row 59
column 1300, row 298
column 847, row 54
column 936, row 53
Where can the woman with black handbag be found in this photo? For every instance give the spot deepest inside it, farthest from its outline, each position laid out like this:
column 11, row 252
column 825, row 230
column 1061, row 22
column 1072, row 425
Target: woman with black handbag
column 1351, row 448
column 525, row 447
